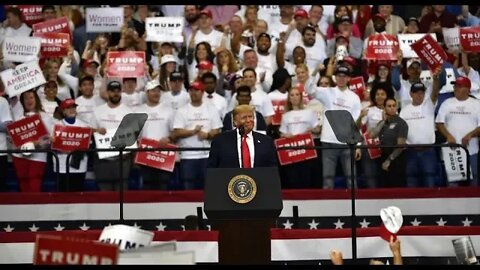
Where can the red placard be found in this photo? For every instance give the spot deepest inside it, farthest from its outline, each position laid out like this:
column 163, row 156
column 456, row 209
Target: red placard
column 28, row 129
column 294, row 156
column 32, row 14
column 54, row 44
column 126, row 64
column 68, row 138
column 278, row 108
column 162, row 160
column 372, row 152
column 429, row 51
column 61, row 250
column 357, row 85
column 59, row 25
column 382, row 47
column 470, row 38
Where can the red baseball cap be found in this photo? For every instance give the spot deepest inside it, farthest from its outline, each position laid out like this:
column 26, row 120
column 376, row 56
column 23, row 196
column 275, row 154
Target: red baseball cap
column 67, row 103
column 205, row 65
column 378, row 16
column 206, row 12
column 350, row 60
column 196, row 85
column 300, row 12
column 87, row 62
column 463, row 81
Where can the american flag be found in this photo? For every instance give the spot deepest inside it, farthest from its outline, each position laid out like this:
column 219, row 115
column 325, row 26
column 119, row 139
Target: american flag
column 323, row 215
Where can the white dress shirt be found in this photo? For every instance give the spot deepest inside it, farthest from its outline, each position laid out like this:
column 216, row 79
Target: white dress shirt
column 251, row 148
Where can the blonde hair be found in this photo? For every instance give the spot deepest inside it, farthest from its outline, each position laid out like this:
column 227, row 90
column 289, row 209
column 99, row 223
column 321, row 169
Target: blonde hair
column 242, row 109
column 289, row 106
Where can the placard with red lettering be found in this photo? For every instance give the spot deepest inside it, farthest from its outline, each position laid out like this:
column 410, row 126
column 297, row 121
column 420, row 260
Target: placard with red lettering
column 470, row 38
column 54, row 44
column 376, row 152
column 68, row 138
column 294, row 156
column 25, row 130
column 63, row 250
column 126, row 64
column 357, row 85
column 32, row 14
column 162, row 160
column 59, row 25
column 278, row 108
column 382, row 47
column 429, row 51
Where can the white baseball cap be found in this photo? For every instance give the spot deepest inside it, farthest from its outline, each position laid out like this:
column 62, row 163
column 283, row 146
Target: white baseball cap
column 151, row 85
column 166, row 59
column 392, row 220
column 413, row 60
column 27, row 146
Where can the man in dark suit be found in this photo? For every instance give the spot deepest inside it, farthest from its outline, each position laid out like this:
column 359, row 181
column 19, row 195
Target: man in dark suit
column 242, row 147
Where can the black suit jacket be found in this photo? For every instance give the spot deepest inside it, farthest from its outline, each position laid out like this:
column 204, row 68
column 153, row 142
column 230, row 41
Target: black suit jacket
column 224, row 153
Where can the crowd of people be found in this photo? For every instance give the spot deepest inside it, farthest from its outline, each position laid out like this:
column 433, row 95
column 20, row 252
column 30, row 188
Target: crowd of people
column 301, row 55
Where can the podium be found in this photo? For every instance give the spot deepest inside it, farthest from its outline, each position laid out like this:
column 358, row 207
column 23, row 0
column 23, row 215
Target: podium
column 243, row 205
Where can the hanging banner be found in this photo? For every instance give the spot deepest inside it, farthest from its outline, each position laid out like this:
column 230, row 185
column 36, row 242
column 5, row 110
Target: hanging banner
column 406, row 40
column 54, row 44
column 376, row 152
column 69, row 138
column 23, row 78
column 99, row 20
column 278, row 108
column 294, row 156
column 28, row 129
column 382, row 47
column 455, row 160
column 357, row 85
column 164, row 29
column 130, row 64
column 21, row 49
column 451, row 37
column 126, row 237
column 162, row 160
column 59, row 25
column 470, row 39
column 430, row 52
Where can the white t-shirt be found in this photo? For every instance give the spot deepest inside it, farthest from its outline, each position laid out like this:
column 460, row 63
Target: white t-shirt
column 5, row 116
column 316, row 54
column 298, row 121
column 62, row 158
column 159, row 123
column 175, row 101
column 86, row 106
column 260, row 100
column 404, row 92
column 421, row 122
column 459, row 118
column 218, row 101
column 214, row 38
column 374, row 115
column 134, row 100
column 49, row 106
column 267, row 83
column 108, row 118
column 63, row 92
column 187, row 117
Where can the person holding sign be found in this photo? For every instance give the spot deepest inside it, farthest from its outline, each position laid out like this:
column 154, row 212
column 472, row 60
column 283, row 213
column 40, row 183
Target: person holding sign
column 298, row 120
column 78, row 161
column 30, row 167
column 458, row 120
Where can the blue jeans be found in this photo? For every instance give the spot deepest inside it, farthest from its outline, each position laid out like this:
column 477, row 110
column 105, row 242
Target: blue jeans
column 193, row 173
column 421, row 167
column 330, row 158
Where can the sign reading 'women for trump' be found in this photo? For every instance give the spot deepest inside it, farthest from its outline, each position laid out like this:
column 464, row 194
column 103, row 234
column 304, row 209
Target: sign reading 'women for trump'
column 99, row 20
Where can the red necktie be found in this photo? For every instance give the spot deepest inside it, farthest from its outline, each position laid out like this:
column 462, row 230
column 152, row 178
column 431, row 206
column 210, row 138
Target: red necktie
column 245, row 153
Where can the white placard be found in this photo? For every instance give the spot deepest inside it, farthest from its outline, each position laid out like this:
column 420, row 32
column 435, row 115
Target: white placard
column 126, row 237
column 451, row 37
column 405, row 40
column 21, row 49
column 455, row 160
column 161, row 258
column 23, row 78
column 450, row 78
column 426, row 77
column 164, row 29
column 100, row 20
column 104, row 142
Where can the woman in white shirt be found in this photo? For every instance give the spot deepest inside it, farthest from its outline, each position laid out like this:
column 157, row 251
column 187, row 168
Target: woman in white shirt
column 298, row 120
column 50, row 72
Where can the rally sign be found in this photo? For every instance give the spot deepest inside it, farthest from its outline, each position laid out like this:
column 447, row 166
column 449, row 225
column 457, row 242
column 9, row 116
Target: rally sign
column 54, row 44
column 450, row 78
column 451, row 37
column 406, row 40
column 164, row 29
column 59, row 25
column 28, row 129
column 430, row 52
column 375, row 152
column 357, row 85
column 470, row 39
column 104, row 142
column 382, row 47
column 99, row 20
column 126, row 64
column 23, row 78
column 69, row 138
column 61, row 250
column 455, row 160
column 162, row 160
column 278, row 108
column 294, row 156
column 426, row 77
column 21, row 49
column 126, row 237
column 31, row 13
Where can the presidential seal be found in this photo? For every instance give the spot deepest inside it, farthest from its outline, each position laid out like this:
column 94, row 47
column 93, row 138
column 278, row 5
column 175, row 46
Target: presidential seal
column 242, row 189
